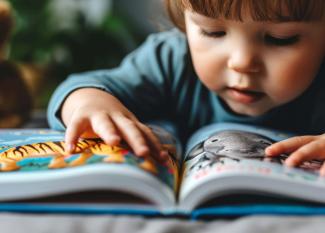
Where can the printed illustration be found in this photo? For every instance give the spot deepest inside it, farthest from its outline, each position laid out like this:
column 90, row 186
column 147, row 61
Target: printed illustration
column 49, row 155
column 236, row 146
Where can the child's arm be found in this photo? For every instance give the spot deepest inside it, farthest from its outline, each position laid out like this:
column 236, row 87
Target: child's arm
column 149, row 83
column 89, row 112
column 300, row 148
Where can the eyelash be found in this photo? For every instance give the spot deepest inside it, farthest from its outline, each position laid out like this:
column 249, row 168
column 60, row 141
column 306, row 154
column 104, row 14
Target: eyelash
column 215, row 34
column 271, row 40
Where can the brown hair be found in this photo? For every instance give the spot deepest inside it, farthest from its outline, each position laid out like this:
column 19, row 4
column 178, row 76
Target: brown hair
column 260, row 10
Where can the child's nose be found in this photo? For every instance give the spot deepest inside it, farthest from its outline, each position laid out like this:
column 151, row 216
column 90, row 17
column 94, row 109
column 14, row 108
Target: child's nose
column 244, row 60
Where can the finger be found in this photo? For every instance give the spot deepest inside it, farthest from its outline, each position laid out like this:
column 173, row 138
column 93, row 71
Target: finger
column 322, row 170
column 155, row 144
column 289, row 145
column 103, row 126
column 74, row 130
column 132, row 135
column 313, row 150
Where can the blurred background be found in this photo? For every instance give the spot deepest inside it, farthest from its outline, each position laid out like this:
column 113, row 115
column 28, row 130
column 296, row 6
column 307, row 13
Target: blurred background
column 53, row 38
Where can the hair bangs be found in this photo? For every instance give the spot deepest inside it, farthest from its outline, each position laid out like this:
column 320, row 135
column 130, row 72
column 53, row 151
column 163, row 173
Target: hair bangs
column 261, row 10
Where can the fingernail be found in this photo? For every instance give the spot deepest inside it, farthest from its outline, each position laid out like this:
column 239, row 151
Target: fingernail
column 70, row 148
column 164, row 154
column 289, row 163
column 115, row 140
column 268, row 151
column 112, row 140
column 143, row 151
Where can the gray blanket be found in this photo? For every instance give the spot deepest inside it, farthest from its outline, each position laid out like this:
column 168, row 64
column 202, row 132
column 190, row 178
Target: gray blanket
column 16, row 223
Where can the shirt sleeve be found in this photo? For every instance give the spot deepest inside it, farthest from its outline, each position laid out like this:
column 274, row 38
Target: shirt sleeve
column 143, row 81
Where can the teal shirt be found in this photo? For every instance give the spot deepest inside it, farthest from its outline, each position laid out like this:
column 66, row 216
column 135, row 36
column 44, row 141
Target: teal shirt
column 158, row 82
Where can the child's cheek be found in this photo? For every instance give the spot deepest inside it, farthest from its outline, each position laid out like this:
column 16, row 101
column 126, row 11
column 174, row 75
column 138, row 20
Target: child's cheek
column 211, row 71
column 288, row 80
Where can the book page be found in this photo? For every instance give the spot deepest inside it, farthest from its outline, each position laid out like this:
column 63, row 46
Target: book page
column 231, row 157
column 31, row 156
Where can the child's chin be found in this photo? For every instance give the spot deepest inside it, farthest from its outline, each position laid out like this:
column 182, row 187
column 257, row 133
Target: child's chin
column 248, row 111
column 254, row 113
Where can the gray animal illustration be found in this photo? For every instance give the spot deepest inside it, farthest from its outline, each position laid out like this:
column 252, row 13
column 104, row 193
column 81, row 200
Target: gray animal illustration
column 237, row 145
column 231, row 144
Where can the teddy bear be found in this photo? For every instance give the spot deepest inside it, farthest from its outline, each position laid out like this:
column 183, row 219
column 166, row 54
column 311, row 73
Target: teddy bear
column 15, row 97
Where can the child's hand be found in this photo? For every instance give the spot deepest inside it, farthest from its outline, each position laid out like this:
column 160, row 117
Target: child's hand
column 300, row 148
column 91, row 112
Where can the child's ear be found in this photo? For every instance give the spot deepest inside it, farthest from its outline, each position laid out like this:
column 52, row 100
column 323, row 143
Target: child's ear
column 6, row 25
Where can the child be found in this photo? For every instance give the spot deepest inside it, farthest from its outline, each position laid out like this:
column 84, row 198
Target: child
column 250, row 62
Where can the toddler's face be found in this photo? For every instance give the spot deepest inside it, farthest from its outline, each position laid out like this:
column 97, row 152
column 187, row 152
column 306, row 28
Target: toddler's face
column 255, row 66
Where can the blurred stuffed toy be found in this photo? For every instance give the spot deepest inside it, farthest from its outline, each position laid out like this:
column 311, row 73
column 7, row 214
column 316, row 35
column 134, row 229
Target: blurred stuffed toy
column 15, row 98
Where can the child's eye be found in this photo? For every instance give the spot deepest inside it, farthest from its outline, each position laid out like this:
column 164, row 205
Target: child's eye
column 214, row 34
column 272, row 40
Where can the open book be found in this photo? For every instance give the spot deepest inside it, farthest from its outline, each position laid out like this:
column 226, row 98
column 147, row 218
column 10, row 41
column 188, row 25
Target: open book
column 222, row 171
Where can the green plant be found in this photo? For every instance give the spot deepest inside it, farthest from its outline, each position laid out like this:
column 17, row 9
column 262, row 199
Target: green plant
column 61, row 51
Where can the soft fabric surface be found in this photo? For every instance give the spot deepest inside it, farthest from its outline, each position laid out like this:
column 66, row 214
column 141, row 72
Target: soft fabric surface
column 16, row 223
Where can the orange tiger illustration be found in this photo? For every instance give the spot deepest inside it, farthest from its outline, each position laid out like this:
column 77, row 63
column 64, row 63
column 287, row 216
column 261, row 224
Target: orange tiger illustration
column 86, row 148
